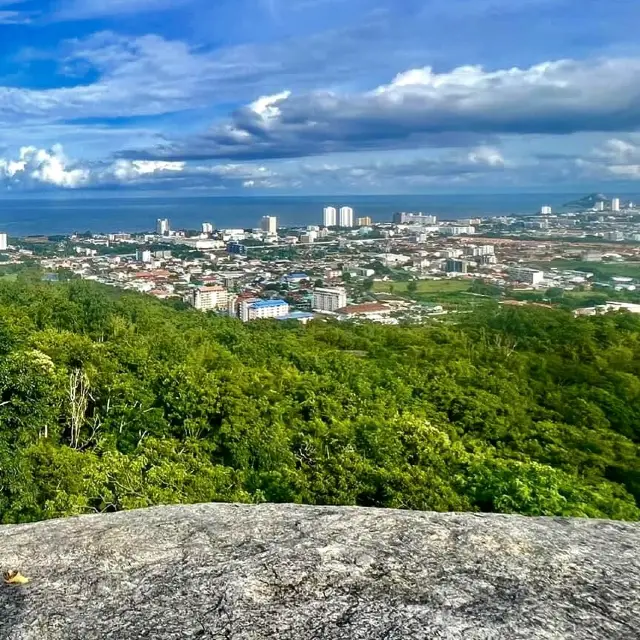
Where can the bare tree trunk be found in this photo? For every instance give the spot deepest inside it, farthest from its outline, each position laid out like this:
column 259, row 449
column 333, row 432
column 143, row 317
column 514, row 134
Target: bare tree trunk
column 78, row 394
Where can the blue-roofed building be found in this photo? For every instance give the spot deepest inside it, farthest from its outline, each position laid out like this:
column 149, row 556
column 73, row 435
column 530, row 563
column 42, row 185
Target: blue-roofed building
column 257, row 309
column 294, row 278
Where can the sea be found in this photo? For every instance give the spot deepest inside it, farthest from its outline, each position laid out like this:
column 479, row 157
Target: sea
column 102, row 212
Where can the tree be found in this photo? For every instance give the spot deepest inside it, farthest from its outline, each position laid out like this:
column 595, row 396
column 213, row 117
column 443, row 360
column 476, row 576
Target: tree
column 555, row 293
column 113, row 400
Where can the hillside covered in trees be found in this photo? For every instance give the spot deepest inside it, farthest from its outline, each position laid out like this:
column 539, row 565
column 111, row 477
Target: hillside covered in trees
column 113, row 401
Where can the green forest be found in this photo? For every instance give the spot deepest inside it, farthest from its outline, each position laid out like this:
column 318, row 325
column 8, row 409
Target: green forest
column 112, row 400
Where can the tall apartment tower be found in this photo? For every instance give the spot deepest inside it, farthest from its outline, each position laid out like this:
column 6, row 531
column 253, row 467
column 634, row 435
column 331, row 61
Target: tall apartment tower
column 207, row 227
column 346, row 217
column 162, row 227
column 329, row 299
column 269, row 224
column 615, row 204
column 3, row 241
column 329, row 217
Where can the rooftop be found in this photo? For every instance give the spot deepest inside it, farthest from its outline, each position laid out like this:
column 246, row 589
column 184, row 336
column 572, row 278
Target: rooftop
column 297, row 315
column 261, row 304
column 367, row 307
column 211, row 289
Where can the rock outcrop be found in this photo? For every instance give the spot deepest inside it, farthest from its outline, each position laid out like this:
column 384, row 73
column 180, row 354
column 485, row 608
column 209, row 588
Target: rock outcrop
column 290, row 572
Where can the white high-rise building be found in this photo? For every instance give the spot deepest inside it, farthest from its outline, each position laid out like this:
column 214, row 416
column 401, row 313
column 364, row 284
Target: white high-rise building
column 346, row 217
column 483, row 250
column 213, row 298
column 546, row 210
column 3, row 241
column 615, row 204
column 162, row 227
column 144, row 255
column 600, row 206
column 329, row 299
column 207, row 227
column 269, row 224
column 329, row 217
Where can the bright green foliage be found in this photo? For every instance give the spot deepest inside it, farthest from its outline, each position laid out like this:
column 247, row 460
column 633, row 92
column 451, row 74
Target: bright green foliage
column 112, row 400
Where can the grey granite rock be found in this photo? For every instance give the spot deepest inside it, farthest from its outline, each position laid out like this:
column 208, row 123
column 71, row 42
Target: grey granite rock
column 301, row 573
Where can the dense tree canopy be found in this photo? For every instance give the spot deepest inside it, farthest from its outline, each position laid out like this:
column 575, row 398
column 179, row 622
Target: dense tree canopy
column 112, row 400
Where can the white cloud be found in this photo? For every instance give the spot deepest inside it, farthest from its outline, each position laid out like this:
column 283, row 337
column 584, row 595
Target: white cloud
column 33, row 169
column 615, row 159
column 132, row 170
column 141, row 76
column 41, row 167
column 488, row 156
column 267, row 106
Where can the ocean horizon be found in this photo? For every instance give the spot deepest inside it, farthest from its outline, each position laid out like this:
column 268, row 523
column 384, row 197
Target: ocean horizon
column 102, row 212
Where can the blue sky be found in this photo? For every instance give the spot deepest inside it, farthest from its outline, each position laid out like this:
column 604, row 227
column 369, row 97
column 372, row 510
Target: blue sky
column 319, row 96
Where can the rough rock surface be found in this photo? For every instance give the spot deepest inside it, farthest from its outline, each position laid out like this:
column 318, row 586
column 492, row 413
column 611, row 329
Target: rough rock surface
column 290, row 572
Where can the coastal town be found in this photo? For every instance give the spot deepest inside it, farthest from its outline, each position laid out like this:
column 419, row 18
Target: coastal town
column 409, row 268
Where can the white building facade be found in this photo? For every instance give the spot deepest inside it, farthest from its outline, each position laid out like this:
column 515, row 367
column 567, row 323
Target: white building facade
column 329, row 217
column 269, row 224
column 329, row 299
column 483, row 250
column 162, row 227
column 403, row 217
column 262, row 309
column 524, row 274
column 212, row 298
column 346, row 217
column 457, row 231
column 144, row 255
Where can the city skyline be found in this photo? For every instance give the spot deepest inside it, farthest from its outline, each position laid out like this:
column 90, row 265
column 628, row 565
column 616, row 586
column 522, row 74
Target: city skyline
column 318, row 96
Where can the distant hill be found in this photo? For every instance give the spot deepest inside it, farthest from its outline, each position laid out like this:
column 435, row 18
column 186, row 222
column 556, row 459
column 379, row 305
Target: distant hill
column 588, row 202
column 301, row 573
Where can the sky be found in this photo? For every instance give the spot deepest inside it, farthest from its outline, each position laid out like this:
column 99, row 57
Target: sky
column 254, row 97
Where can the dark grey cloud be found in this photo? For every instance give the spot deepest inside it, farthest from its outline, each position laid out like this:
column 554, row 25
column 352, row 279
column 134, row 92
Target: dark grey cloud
column 452, row 167
column 420, row 107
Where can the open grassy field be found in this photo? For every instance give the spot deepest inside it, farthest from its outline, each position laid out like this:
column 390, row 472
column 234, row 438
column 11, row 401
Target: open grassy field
column 424, row 286
column 8, row 276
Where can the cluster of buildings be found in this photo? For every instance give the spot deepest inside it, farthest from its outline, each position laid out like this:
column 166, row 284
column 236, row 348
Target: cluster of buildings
column 609, row 220
column 344, row 218
column 345, row 268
